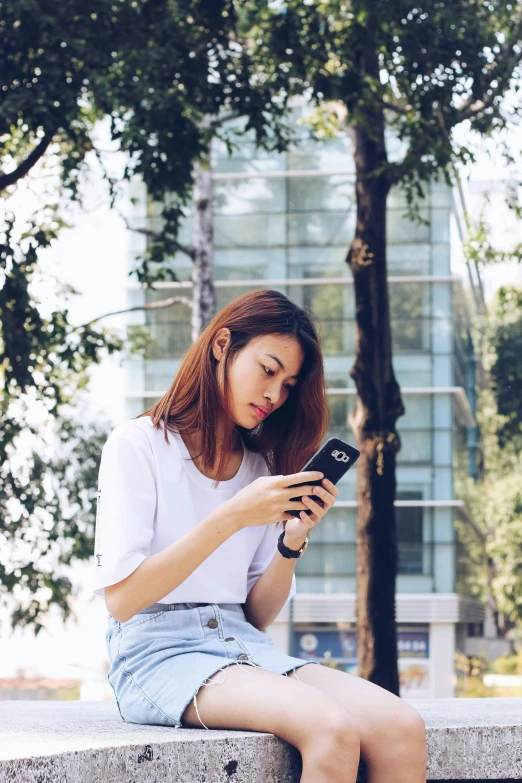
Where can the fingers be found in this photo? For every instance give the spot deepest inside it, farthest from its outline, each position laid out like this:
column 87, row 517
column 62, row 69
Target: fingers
column 319, row 502
column 330, row 486
column 307, row 475
column 305, row 489
column 314, row 506
column 326, row 496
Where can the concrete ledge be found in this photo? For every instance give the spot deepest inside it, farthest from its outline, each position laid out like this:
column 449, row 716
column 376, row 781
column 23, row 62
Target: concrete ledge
column 87, row 742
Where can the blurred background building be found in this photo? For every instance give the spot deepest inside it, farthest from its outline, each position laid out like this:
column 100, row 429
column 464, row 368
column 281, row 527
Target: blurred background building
column 285, row 221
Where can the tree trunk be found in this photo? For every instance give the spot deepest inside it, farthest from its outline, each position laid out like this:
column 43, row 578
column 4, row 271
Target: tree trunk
column 203, row 295
column 373, row 420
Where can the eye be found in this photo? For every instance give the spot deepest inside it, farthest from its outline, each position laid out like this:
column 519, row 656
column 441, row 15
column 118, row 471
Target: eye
column 271, row 372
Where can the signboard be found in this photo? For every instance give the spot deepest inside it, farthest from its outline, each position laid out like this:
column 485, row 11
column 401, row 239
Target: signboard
column 340, row 647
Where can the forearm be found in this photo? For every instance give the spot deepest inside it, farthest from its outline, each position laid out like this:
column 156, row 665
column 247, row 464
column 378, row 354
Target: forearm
column 270, row 593
column 163, row 571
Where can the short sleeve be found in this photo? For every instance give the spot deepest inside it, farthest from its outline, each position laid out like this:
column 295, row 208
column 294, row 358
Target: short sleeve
column 126, row 506
column 263, row 557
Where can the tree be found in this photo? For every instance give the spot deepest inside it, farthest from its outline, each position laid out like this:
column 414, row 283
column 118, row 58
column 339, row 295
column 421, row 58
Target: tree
column 420, row 71
column 46, row 501
column 496, row 499
column 506, row 369
column 167, row 88
column 158, row 70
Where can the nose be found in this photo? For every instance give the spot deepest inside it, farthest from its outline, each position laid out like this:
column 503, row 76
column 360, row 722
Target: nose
column 272, row 397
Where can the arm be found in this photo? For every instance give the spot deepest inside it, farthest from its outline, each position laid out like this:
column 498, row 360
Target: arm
column 270, row 593
column 162, row 572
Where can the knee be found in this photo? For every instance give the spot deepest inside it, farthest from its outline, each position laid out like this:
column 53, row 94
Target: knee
column 409, row 726
column 337, row 728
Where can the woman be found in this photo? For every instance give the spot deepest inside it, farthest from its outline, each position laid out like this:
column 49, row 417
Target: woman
column 195, row 552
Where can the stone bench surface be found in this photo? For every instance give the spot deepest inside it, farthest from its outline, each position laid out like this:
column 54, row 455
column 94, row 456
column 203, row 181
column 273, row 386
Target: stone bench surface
column 84, row 742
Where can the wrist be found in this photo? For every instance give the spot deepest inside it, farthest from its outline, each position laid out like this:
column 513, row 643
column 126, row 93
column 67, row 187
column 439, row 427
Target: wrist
column 228, row 521
column 294, row 542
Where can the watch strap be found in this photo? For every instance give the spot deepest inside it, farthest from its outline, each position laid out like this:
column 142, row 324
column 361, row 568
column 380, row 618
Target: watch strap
column 286, row 551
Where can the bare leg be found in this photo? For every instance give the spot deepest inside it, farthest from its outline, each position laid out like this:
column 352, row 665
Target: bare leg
column 393, row 735
column 325, row 733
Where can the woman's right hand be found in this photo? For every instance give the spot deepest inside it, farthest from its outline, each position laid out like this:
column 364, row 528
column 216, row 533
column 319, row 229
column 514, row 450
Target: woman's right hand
column 267, row 498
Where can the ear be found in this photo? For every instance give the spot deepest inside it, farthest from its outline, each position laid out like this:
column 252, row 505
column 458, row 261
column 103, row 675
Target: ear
column 221, row 342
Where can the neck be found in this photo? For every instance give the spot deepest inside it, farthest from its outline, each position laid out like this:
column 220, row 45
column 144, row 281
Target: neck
column 193, row 441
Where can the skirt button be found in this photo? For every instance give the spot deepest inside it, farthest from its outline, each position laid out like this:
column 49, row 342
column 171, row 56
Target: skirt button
column 242, row 657
column 212, row 623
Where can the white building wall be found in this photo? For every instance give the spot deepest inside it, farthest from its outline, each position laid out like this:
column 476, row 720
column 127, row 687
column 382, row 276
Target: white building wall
column 442, row 651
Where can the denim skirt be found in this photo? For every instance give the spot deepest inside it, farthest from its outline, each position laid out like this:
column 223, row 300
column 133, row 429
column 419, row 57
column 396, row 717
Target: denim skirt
column 160, row 657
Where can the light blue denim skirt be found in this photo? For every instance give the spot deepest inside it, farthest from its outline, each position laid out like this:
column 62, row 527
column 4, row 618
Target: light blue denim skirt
column 160, row 657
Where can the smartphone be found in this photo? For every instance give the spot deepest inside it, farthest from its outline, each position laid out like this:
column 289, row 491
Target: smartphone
column 333, row 459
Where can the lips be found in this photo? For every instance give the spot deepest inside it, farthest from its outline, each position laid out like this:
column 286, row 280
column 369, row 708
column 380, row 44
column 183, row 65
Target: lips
column 260, row 410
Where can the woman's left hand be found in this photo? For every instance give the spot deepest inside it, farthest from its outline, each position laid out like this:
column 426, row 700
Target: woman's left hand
column 297, row 528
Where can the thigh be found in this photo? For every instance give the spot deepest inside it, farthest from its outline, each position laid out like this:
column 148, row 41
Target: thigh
column 255, row 699
column 383, row 717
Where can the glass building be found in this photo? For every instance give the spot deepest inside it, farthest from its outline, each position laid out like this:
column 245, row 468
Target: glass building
column 285, row 221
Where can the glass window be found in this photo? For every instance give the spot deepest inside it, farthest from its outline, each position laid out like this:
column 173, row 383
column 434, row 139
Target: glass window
column 321, row 228
column 318, row 262
column 416, row 447
column 321, row 193
column 159, row 374
column 418, row 412
column 170, row 328
column 409, row 525
column 253, row 195
column 245, row 263
column 400, row 229
column 249, row 230
column 409, row 259
column 328, row 303
column 406, row 309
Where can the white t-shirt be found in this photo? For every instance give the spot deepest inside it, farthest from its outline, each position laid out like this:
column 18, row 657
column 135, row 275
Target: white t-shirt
column 150, row 494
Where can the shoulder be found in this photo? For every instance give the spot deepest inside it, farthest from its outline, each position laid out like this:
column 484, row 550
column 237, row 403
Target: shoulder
column 140, row 432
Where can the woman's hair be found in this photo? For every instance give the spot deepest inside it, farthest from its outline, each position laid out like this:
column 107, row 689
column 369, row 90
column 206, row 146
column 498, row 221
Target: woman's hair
column 288, row 437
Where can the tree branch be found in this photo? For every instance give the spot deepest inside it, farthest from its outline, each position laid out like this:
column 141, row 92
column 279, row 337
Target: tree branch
column 226, row 118
column 28, row 163
column 507, row 60
column 147, row 232
column 161, row 305
column 395, row 107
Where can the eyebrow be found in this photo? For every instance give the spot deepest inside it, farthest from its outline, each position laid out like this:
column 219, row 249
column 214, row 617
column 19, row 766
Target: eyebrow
column 280, row 363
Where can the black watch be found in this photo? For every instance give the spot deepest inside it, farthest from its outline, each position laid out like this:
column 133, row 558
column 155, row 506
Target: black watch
column 286, row 551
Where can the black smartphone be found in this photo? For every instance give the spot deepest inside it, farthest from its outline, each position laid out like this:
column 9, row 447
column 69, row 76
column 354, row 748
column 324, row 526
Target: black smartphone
column 333, row 459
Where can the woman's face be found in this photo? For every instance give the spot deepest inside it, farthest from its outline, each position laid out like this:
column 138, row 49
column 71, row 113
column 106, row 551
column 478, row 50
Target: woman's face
column 261, row 375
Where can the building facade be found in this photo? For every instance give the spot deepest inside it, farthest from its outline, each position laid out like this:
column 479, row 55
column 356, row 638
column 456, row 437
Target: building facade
column 285, row 221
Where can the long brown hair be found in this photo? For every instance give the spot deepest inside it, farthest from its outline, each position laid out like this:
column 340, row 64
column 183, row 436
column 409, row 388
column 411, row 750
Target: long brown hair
column 193, row 404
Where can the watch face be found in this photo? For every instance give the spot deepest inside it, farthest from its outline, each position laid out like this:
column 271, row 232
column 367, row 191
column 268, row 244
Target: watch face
column 305, row 544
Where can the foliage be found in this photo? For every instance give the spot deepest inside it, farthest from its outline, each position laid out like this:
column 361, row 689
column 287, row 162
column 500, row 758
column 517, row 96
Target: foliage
column 478, row 247
column 428, row 68
column 508, row 664
column 399, row 79
column 166, row 75
column 166, row 88
column 48, row 509
column 470, row 670
column 46, row 501
column 506, row 369
column 494, row 547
